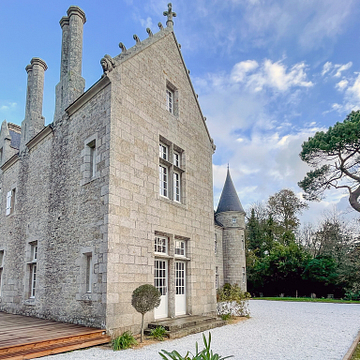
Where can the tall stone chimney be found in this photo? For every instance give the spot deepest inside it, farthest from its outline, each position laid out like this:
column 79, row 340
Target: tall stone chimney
column 34, row 121
column 71, row 84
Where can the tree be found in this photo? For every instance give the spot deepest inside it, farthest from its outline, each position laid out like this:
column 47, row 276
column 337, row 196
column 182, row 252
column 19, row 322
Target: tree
column 335, row 157
column 145, row 298
column 284, row 207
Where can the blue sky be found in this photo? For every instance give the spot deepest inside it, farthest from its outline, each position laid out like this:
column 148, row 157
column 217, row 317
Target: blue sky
column 269, row 73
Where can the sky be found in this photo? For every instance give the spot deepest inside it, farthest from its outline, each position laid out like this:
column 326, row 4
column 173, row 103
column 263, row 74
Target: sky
column 269, row 74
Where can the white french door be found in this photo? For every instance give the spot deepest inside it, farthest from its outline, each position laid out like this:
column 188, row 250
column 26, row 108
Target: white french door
column 161, row 283
column 180, row 288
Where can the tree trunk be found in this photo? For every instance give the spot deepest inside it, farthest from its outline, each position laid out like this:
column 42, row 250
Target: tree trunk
column 142, row 328
column 353, row 199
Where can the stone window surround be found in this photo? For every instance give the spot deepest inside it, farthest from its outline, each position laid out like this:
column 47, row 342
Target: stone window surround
column 2, row 256
column 32, row 260
column 84, row 277
column 171, row 170
column 11, row 208
column 172, row 89
column 171, row 239
column 90, row 159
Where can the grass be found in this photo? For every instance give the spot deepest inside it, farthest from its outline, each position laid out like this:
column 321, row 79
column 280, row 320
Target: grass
column 303, row 299
column 356, row 355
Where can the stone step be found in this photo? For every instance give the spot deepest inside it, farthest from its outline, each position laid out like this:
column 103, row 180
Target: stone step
column 185, row 325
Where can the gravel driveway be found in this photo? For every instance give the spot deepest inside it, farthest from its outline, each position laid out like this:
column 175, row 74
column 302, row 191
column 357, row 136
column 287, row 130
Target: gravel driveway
column 277, row 330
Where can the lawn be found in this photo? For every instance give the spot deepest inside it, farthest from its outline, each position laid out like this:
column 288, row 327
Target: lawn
column 356, row 355
column 302, row 299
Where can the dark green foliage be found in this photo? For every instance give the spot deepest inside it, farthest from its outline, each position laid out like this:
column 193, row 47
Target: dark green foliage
column 205, row 354
column 158, row 333
column 226, row 317
column 125, row 341
column 284, row 206
column 335, row 155
column 145, row 298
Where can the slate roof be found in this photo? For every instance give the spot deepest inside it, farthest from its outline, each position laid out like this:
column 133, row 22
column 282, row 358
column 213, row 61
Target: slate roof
column 229, row 200
column 15, row 139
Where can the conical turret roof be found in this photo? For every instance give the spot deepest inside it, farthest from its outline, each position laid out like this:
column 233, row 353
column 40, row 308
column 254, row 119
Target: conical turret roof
column 229, row 200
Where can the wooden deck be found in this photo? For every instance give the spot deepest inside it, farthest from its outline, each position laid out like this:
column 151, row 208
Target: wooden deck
column 23, row 337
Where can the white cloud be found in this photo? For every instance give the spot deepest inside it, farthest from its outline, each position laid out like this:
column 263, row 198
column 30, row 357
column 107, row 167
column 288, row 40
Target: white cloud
column 341, row 85
column 146, row 23
column 326, row 68
column 335, row 70
column 241, row 69
column 340, row 68
column 270, row 74
column 7, row 106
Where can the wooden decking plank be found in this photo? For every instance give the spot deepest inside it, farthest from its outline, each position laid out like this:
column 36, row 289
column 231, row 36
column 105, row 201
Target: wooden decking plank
column 24, row 337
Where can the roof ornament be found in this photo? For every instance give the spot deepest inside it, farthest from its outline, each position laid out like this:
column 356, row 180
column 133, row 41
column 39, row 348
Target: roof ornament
column 170, row 14
column 160, row 25
column 137, row 39
column 122, row 47
column 107, row 63
column 148, row 30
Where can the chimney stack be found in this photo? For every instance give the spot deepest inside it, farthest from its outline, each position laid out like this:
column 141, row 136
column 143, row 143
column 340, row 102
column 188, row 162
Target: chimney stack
column 34, row 121
column 71, row 84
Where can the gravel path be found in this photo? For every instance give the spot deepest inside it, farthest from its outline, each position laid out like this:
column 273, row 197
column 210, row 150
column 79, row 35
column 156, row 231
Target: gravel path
column 276, row 331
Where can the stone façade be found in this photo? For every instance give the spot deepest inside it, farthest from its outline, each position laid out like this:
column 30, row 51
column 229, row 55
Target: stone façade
column 85, row 189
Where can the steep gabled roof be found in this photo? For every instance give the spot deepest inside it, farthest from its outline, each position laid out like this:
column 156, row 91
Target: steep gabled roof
column 229, row 200
column 15, row 133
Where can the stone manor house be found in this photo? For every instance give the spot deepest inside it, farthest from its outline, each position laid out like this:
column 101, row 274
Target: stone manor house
column 116, row 192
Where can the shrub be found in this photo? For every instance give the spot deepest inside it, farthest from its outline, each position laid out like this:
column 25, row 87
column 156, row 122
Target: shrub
column 124, row 341
column 145, row 298
column 226, row 317
column 233, row 301
column 158, row 333
column 205, row 354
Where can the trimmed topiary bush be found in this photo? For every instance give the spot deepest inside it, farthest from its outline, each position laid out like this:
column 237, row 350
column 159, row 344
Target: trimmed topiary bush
column 145, row 298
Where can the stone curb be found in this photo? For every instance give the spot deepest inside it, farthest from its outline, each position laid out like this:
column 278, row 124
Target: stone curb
column 352, row 349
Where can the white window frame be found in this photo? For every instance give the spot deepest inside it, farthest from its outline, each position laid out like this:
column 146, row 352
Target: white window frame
column 164, row 151
column 217, row 284
column 161, row 245
column 180, row 248
column 177, row 186
column 170, row 100
column 177, row 158
column 33, row 269
column 10, row 202
column 164, row 180
column 170, row 172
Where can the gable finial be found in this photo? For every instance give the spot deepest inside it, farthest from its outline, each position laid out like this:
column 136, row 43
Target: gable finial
column 170, row 14
column 228, row 166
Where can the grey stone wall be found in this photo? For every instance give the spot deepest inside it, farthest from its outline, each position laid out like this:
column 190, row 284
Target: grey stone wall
column 137, row 211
